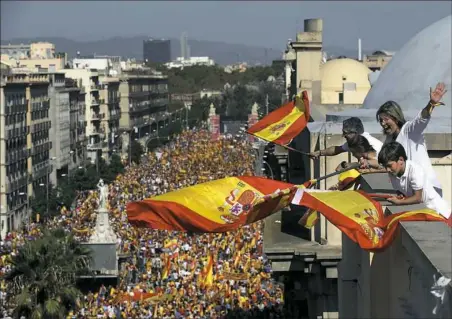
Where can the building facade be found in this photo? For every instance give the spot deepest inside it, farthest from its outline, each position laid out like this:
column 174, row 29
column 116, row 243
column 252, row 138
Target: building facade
column 77, row 125
column 88, row 80
column 60, row 131
column 25, row 144
column 157, row 50
column 144, row 104
column 35, row 55
column 109, row 99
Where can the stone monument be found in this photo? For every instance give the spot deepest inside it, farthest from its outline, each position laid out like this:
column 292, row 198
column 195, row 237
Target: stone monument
column 103, row 233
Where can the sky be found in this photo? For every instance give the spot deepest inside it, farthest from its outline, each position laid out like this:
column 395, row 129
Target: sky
column 380, row 24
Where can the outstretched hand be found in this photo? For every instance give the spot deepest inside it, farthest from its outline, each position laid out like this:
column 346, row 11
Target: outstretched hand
column 437, row 94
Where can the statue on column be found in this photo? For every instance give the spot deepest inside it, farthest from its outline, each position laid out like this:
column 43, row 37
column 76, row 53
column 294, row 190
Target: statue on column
column 103, row 194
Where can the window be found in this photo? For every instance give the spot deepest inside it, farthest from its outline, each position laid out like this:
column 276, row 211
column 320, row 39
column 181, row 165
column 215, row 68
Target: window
column 341, row 98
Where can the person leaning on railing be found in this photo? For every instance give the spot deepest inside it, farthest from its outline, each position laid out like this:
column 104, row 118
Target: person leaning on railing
column 408, row 178
column 409, row 133
column 357, row 142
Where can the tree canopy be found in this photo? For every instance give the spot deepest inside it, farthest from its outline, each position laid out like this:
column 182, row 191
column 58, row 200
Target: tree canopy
column 194, row 79
column 44, row 273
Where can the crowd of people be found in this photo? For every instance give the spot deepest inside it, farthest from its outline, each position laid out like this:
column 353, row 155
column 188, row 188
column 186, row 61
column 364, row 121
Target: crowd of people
column 164, row 273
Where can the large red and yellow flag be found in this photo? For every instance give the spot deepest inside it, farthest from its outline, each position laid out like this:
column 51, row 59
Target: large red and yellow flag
column 218, row 206
column 359, row 217
column 345, row 181
column 286, row 122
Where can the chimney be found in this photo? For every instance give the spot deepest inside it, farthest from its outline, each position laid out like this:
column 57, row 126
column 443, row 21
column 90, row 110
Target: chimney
column 359, row 50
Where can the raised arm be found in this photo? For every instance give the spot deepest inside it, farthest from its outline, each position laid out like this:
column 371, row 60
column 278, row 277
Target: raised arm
column 435, row 100
column 419, row 123
column 330, row 151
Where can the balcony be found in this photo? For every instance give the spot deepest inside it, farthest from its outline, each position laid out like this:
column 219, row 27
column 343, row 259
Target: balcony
column 43, row 126
column 115, row 115
column 97, row 116
column 42, row 169
column 160, row 102
column 11, row 186
column 17, row 155
column 96, row 146
column 139, row 93
column 95, row 101
column 406, row 272
column 37, row 149
column 114, row 100
column 138, row 107
column 97, row 132
column 17, row 132
column 16, row 108
column 95, row 87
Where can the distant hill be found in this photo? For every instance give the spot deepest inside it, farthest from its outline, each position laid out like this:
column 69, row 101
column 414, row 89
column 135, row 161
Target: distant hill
column 132, row 47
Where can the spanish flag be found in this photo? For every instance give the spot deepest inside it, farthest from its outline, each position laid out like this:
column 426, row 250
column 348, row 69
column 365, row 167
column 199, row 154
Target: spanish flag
column 208, row 272
column 217, row 206
column 167, row 268
column 285, row 123
column 359, row 217
column 345, row 181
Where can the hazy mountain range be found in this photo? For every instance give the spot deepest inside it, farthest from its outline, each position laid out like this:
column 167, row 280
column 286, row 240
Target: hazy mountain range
column 132, row 47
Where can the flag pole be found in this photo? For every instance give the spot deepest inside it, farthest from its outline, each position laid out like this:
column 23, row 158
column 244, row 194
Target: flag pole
column 352, row 166
column 285, row 146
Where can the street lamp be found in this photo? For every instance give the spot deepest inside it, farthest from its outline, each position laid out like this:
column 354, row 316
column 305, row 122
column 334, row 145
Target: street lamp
column 269, row 167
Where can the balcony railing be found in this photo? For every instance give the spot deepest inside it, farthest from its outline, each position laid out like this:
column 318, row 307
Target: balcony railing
column 98, row 116
column 16, row 132
column 97, row 131
column 159, row 102
column 11, row 186
column 41, row 171
column 96, row 146
column 95, row 102
column 95, row 87
column 16, row 108
column 17, row 155
column 114, row 116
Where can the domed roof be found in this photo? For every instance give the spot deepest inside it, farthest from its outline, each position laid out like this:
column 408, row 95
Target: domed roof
column 421, row 63
column 335, row 72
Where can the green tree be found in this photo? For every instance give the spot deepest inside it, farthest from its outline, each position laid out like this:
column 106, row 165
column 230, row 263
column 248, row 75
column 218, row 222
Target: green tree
column 44, row 273
column 44, row 201
column 136, row 152
column 116, row 167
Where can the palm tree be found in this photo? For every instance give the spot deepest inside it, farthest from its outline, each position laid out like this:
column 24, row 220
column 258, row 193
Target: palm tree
column 44, row 273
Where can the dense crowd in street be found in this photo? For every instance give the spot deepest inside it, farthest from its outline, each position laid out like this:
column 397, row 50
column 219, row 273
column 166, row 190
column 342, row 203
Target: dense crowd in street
column 163, row 274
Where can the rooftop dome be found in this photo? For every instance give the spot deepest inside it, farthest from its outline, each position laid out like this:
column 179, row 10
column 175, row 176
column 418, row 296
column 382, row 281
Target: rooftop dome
column 420, row 64
column 335, row 72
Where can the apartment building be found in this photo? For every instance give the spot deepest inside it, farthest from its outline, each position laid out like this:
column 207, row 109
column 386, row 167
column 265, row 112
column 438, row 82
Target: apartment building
column 109, row 105
column 34, row 55
column 144, row 102
column 77, row 125
column 68, row 125
column 88, row 80
column 25, row 144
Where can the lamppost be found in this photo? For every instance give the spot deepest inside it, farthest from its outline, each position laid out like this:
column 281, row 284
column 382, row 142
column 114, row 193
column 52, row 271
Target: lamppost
column 269, row 167
column 47, row 184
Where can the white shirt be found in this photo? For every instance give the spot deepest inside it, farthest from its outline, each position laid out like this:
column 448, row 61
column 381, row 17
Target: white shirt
column 375, row 143
column 412, row 139
column 413, row 179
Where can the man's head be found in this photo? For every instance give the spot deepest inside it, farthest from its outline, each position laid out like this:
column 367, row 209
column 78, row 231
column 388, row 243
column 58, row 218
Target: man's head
column 393, row 158
column 390, row 117
column 351, row 128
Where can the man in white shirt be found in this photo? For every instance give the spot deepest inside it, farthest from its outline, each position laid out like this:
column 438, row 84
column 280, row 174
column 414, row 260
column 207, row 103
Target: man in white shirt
column 351, row 129
column 409, row 178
